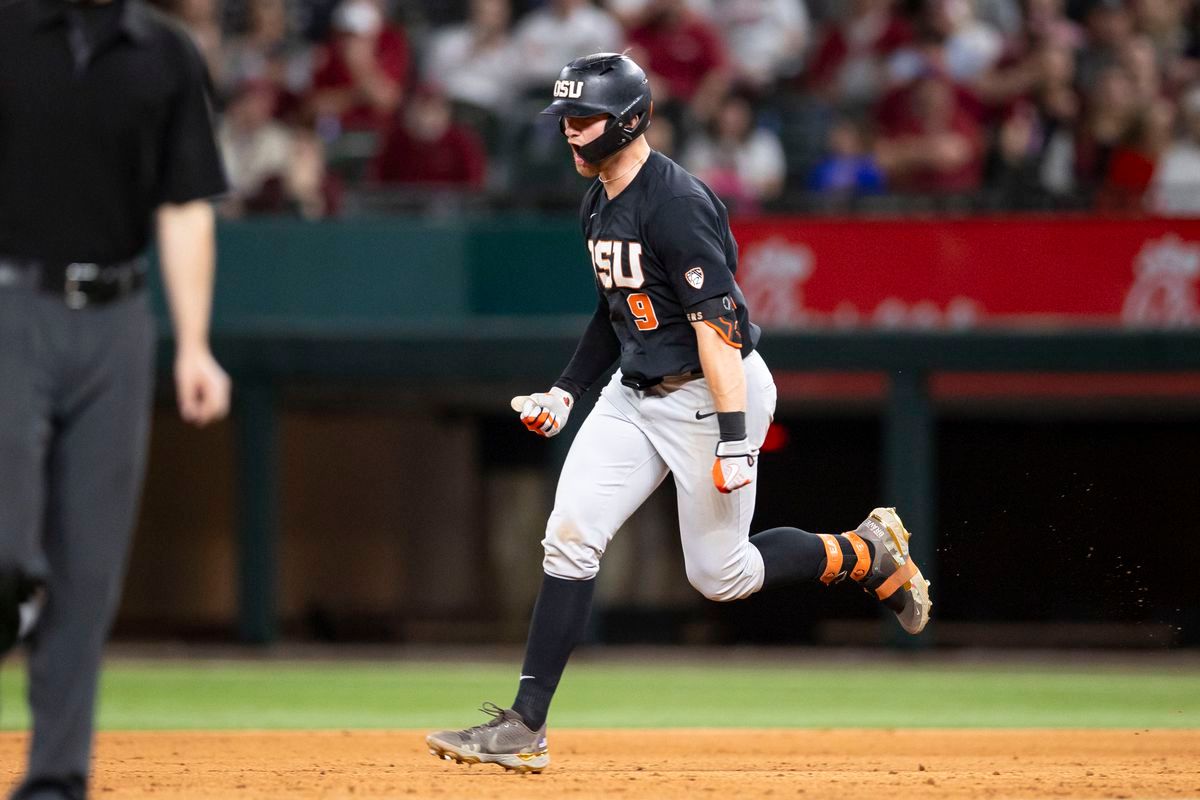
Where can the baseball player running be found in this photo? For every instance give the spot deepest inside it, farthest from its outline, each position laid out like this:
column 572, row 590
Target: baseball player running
column 692, row 398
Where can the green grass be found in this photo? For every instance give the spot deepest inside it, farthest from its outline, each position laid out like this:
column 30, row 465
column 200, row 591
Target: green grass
column 298, row 695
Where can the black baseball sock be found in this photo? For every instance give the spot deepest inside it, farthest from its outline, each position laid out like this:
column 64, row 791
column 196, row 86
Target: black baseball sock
column 560, row 617
column 791, row 555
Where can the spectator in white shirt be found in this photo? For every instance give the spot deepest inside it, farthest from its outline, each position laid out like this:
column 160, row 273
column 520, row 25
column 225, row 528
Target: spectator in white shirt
column 561, row 31
column 1175, row 188
column 254, row 147
column 268, row 50
column 954, row 43
column 632, row 13
column 271, row 168
column 766, row 38
column 742, row 163
column 474, row 62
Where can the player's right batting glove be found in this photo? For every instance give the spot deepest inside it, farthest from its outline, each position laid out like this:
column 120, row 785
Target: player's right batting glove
column 731, row 470
column 545, row 413
column 735, row 457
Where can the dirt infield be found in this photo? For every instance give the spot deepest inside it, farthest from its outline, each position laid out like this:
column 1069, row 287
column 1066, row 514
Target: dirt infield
column 653, row 764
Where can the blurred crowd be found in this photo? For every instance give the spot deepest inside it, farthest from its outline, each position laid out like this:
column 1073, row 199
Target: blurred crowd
column 344, row 106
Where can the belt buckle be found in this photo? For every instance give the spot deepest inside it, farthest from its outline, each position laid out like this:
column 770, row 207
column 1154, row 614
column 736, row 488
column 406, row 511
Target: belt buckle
column 78, row 273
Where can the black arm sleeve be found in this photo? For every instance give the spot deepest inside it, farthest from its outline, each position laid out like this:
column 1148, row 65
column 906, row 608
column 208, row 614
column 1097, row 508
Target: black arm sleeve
column 598, row 349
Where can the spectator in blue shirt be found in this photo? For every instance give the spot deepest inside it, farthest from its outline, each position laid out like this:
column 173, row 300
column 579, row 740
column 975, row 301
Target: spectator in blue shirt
column 848, row 169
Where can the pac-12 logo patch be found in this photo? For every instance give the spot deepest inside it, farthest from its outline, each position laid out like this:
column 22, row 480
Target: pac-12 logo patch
column 694, row 276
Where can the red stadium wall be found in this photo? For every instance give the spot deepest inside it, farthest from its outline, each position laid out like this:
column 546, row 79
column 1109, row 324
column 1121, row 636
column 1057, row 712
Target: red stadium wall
column 967, row 273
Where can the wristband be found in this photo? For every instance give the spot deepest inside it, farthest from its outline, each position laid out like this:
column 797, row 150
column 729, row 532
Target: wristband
column 732, row 425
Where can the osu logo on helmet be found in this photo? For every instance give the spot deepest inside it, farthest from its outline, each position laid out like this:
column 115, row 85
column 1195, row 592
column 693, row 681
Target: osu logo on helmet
column 570, row 89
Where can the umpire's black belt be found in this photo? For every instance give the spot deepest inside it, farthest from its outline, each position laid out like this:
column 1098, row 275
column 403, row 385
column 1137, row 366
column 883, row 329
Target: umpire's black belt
column 79, row 283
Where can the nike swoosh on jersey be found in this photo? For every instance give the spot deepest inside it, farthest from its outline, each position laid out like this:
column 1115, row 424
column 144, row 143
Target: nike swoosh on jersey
column 704, row 416
column 527, row 677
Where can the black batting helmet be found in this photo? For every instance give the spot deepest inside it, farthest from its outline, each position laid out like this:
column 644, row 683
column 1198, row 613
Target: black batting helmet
column 604, row 83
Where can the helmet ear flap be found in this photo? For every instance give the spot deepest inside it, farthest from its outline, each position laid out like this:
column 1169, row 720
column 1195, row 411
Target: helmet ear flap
column 617, row 135
column 643, row 122
column 633, row 131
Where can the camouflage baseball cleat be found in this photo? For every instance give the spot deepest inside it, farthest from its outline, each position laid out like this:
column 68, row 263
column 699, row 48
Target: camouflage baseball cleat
column 504, row 740
column 893, row 571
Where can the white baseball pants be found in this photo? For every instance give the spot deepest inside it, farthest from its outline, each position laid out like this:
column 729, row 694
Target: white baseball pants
column 625, row 449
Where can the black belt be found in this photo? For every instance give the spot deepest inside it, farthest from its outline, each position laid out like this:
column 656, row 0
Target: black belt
column 79, row 283
column 664, row 384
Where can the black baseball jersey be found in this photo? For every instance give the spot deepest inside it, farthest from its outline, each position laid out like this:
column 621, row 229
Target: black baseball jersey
column 663, row 257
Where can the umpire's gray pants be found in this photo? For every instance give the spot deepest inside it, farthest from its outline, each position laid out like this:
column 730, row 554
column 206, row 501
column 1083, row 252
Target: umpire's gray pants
column 75, row 392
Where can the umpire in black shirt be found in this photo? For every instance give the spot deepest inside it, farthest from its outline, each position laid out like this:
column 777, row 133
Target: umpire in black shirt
column 105, row 135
